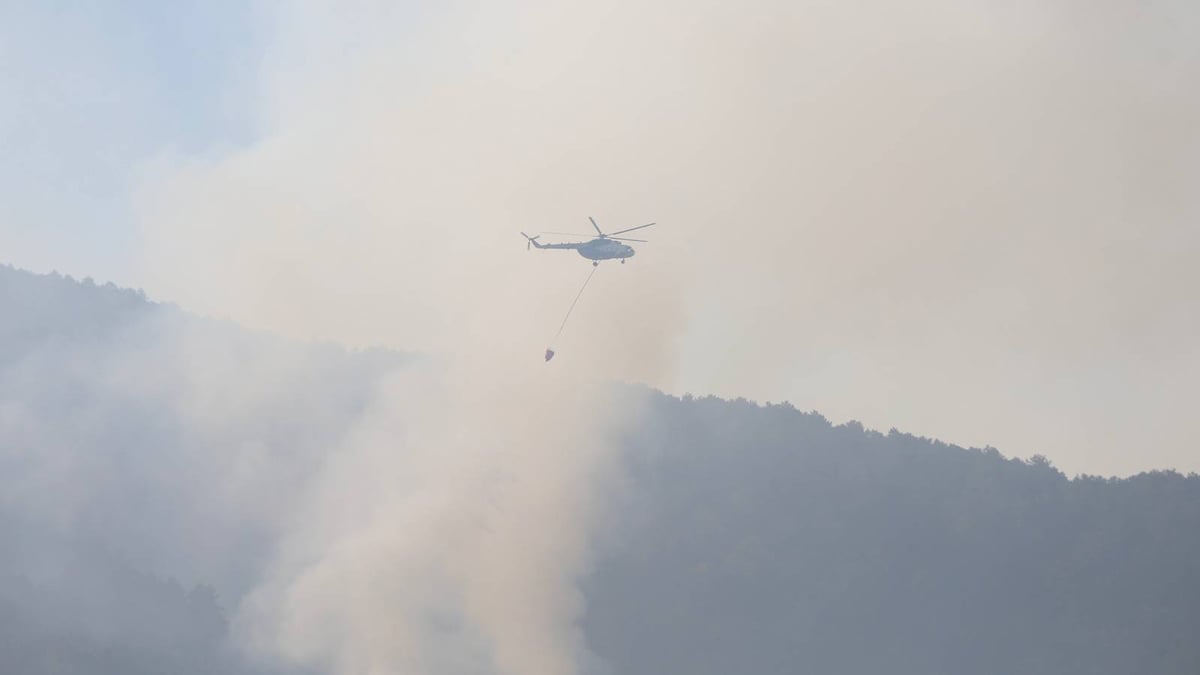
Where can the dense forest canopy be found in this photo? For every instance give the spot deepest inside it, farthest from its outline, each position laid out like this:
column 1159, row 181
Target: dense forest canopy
column 761, row 539
column 135, row 517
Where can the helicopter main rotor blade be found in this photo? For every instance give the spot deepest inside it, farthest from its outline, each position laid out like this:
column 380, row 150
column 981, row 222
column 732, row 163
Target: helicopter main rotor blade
column 631, row 229
column 628, row 239
column 598, row 230
column 568, row 234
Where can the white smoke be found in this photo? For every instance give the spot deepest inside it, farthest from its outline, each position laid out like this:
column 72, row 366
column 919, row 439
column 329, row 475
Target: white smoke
column 907, row 215
column 445, row 533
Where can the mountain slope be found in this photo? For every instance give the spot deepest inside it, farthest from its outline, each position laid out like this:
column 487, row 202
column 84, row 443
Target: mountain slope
column 147, row 459
column 761, row 539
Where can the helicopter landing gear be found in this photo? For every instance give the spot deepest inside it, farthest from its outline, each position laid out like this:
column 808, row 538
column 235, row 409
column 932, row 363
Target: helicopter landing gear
column 622, row 261
column 595, row 263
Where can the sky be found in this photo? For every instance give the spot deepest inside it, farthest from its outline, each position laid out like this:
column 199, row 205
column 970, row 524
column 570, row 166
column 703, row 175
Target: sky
column 90, row 92
column 967, row 220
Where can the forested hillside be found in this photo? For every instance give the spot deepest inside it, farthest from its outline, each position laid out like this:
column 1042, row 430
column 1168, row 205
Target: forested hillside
column 760, row 539
column 147, row 458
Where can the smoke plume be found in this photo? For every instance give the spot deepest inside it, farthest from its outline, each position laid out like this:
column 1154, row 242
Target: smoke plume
column 911, row 215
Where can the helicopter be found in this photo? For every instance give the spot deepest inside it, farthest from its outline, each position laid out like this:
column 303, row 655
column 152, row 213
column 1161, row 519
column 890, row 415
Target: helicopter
column 603, row 247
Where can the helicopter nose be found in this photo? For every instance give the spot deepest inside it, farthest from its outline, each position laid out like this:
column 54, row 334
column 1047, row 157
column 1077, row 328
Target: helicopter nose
column 630, row 252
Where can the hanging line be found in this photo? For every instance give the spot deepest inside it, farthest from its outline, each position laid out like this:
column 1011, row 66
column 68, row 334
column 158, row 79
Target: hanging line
column 580, row 294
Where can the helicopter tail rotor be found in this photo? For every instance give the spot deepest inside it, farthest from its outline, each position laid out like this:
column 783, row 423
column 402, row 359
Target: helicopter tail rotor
column 530, row 241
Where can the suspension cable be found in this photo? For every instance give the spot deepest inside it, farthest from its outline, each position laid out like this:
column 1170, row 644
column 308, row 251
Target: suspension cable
column 573, row 303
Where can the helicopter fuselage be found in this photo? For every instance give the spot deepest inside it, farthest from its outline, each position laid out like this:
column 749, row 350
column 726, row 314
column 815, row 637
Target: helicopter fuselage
column 605, row 249
column 600, row 248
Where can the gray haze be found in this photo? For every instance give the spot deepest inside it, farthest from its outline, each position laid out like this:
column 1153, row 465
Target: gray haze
column 356, row 512
column 964, row 219
column 179, row 495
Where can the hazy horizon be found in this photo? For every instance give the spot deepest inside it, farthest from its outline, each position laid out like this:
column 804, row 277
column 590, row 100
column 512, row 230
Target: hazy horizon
column 970, row 221
column 183, row 495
